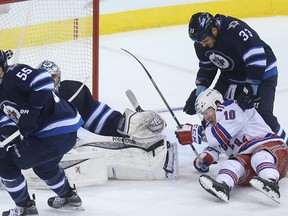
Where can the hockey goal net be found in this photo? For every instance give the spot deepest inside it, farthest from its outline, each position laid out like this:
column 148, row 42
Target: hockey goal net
column 58, row 30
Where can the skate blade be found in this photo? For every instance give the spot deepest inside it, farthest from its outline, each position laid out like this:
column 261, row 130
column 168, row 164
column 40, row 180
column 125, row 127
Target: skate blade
column 207, row 184
column 258, row 185
column 71, row 208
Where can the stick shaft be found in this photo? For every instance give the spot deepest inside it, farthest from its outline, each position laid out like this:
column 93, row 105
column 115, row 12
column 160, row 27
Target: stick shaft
column 10, row 138
column 156, row 87
column 164, row 100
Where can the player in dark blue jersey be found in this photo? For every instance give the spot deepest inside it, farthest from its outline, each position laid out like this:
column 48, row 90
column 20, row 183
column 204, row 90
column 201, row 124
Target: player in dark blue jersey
column 48, row 125
column 247, row 64
column 98, row 117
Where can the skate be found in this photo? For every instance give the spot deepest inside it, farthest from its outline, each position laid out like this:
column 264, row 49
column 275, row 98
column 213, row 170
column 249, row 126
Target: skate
column 29, row 210
column 269, row 187
column 219, row 190
column 71, row 202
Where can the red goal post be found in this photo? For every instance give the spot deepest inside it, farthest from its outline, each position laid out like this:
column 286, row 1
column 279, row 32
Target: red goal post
column 64, row 31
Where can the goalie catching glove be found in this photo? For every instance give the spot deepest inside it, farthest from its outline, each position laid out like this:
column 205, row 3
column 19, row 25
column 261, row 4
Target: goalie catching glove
column 189, row 134
column 141, row 125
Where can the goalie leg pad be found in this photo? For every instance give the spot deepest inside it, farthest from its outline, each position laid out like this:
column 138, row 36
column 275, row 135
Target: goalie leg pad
column 134, row 163
column 82, row 169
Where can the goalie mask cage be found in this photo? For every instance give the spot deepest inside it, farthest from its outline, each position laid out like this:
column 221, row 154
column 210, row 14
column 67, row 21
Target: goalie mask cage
column 63, row 31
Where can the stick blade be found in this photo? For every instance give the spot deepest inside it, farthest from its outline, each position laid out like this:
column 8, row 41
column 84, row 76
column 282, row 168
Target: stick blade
column 133, row 100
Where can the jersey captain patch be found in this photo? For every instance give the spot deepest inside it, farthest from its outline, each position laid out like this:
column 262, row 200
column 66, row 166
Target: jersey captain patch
column 222, row 61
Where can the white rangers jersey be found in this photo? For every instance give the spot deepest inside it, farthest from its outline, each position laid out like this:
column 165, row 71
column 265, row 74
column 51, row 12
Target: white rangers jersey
column 237, row 130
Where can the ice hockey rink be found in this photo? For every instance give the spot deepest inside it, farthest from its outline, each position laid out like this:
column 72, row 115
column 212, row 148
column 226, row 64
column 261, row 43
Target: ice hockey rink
column 169, row 56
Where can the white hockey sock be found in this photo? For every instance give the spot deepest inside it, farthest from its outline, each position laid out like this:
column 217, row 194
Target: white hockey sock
column 264, row 165
column 231, row 171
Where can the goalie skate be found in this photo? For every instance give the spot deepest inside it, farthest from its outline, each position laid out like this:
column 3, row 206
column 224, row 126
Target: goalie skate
column 219, row 190
column 269, row 188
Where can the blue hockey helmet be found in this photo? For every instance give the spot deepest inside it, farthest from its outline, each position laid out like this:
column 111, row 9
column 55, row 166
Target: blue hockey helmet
column 200, row 26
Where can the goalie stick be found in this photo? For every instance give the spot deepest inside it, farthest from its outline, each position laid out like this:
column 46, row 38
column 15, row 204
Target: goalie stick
column 162, row 97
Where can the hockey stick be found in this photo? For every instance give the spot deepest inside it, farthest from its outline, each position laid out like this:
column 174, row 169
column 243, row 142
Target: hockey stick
column 138, row 108
column 164, row 100
column 133, row 100
column 10, row 138
column 78, row 91
column 155, row 85
column 166, row 110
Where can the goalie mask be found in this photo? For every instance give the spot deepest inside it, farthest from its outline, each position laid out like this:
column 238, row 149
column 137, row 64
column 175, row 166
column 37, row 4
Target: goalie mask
column 207, row 99
column 141, row 125
column 54, row 70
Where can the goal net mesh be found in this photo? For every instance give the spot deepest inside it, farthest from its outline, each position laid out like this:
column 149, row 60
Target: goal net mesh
column 56, row 30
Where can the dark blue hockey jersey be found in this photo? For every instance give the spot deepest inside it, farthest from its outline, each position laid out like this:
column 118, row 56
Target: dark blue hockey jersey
column 29, row 88
column 239, row 53
column 99, row 118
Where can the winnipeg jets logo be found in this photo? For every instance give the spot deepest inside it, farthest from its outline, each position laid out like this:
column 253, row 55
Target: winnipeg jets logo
column 222, row 61
column 233, row 24
column 202, row 22
column 11, row 110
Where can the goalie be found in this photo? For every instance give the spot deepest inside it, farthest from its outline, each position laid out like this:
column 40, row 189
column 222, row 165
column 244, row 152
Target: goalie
column 138, row 138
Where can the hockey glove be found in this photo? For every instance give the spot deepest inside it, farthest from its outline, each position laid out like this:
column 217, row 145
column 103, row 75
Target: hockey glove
column 248, row 97
column 188, row 134
column 28, row 121
column 203, row 164
column 189, row 107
